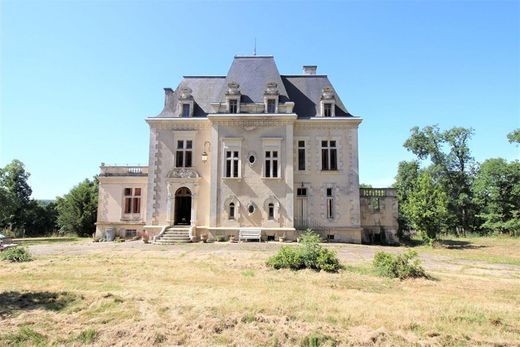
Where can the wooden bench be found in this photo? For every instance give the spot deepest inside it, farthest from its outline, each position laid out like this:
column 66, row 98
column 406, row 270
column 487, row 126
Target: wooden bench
column 250, row 234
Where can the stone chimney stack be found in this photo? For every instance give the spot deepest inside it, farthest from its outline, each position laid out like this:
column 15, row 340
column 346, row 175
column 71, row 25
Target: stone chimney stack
column 168, row 96
column 309, row 69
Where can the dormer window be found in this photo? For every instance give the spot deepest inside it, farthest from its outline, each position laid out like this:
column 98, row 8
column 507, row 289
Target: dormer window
column 327, row 109
column 271, row 98
column 233, row 106
column 327, row 103
column 233, row 97
column 271, row 106
column 186, row 103
column 185, row 110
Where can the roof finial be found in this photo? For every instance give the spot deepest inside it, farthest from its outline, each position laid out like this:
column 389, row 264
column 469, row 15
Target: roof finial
column 254, row 50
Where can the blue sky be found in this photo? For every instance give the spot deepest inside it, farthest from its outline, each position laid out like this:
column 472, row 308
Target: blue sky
column 78, row 78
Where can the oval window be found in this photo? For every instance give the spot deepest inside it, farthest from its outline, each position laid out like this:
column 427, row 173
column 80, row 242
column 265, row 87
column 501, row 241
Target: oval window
column 252, row 159
column 251, row 209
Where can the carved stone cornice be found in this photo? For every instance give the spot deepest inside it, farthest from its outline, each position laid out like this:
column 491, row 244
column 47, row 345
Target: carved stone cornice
column 178, row 123
column 329, row 123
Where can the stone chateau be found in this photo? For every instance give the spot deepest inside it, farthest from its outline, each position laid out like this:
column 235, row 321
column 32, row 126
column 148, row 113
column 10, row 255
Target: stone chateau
column 251, row 153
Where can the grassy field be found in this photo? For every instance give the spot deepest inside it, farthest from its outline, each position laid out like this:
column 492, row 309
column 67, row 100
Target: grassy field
column 50, row 240
column 222, row 294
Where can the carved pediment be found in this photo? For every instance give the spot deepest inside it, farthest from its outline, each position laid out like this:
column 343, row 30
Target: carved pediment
column 185, row 93
column 327, row 93
column 183, row 172
column 233, row 88
column 272, row 89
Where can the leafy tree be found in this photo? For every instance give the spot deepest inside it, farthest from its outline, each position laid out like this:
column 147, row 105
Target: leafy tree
column 365, row 185
column 497, row 193
column 426, row 207
column 15, row 192
column 452, row 166
column 405, row 180
column 77, row 209
column 514, row 136
column 40, row 218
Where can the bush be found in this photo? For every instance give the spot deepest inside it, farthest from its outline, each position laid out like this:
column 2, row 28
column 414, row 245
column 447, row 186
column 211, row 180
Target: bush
column 16, row 255
column 308, row 254
column 402, row 266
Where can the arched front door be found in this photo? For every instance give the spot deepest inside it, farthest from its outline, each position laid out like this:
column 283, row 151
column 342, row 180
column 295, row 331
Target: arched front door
column 182, row 206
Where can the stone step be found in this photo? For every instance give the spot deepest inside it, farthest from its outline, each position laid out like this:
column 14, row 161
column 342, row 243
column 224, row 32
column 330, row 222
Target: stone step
column 164, row 242
column 174, row 238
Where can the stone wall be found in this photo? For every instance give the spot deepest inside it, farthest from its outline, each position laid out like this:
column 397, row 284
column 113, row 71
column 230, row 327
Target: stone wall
column 379, row 212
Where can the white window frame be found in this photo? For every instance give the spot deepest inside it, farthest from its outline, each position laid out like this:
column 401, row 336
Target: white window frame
column 272, row 145
column 190, row 103
column 328, row 148
column 228, row 103
column 266, row 103
column 184, row 150
column 332, row 103
column 232, row 145
column 184, row 135
column 132, row 198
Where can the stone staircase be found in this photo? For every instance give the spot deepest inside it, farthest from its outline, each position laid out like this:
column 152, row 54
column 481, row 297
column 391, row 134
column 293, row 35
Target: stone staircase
column 174, row 235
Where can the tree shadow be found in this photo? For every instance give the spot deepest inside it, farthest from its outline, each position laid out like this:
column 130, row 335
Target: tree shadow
column 459, row 244
column 13, row 301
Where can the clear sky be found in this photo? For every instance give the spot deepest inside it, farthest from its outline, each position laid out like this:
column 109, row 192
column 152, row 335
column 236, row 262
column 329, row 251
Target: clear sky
column 78, row 78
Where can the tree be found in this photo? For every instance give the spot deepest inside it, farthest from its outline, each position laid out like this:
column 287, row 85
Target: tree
column 452, row 166
column 77, row 210
column 405, row 181
column 40, row 218
column 16, row 193
column 497, row 193
column 426, row 207
column 514, row 136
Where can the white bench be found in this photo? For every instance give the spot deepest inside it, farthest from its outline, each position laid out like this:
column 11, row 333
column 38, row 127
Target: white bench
column 250, row 234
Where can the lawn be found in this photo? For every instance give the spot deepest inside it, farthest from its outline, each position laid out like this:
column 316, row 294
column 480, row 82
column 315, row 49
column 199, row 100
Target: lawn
column 222, row 294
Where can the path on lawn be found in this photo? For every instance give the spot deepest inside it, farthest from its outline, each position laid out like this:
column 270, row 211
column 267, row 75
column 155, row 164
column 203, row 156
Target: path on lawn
column 348, row 253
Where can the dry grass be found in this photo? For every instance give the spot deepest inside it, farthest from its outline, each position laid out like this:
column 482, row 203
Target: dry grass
column 222, row 294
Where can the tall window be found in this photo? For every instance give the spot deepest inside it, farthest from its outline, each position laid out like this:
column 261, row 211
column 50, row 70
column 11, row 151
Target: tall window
column 270, row 208
column 327, row 110
column 330, row 204
column 183, row 153
column 271, row 164
column 233, row 106
column 232, row 211
column 271, row 105
column 132, row 200
column 301, row 155
column 232, row 164
column 329, row 156
column 185, row 110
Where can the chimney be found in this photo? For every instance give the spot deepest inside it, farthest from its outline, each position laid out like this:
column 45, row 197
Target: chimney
column 168, row 96
column 309, row 69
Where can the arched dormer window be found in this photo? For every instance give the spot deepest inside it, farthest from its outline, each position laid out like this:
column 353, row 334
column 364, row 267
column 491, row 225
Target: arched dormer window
column 233, row 97
column 328, row 103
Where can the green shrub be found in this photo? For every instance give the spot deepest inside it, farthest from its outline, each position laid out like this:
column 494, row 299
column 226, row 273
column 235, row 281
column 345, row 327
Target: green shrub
column 288, row 257
column 16, row 255
column 402, row 266
column 308, row 254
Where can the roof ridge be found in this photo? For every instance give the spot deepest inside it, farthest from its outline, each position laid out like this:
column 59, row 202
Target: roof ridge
column 204, row 76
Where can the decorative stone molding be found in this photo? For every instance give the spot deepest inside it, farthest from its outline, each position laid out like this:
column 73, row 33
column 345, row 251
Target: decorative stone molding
column 273, row 200
column 182, row 172
column 272, row 89
column 327, row 93
column 232, row 199
column 185, row 94
column 233, row 88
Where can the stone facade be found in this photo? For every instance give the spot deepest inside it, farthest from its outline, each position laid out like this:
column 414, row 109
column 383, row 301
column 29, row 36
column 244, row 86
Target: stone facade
column 252, row 150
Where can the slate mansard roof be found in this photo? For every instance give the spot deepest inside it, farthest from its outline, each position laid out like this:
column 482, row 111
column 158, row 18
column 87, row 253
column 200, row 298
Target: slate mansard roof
column 253, row 73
